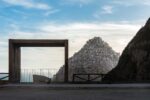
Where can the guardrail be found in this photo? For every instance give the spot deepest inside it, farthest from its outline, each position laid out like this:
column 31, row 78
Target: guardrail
column 4, row 77
column 87, row 78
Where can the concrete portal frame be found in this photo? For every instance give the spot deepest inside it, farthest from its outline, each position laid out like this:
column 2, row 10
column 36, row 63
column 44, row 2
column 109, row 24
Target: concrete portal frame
column 15, row 55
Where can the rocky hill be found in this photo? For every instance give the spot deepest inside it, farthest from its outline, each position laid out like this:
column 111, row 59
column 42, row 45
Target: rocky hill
column 96, row 56
column 134, row 63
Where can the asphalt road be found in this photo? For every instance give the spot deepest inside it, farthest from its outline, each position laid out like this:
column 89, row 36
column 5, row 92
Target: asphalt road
column 79, row 94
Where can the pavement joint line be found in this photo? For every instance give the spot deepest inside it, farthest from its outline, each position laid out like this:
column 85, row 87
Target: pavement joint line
column 79, row 86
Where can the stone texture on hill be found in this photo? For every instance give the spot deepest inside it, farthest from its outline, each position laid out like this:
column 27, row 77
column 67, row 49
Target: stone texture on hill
column 134, row 63
column 39, row 79
column 96, row 56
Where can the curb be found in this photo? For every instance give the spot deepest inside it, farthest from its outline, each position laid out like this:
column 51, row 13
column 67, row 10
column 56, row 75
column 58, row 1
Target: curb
column 76, row 86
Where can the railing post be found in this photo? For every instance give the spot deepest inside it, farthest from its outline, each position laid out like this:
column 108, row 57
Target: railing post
column 88, row 77
column 73, row 78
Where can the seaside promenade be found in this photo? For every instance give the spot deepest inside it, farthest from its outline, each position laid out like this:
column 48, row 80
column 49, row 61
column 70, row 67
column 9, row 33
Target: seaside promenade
column 75, row 92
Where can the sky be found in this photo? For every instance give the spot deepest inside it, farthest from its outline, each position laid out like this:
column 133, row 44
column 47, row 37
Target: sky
column 115, row 21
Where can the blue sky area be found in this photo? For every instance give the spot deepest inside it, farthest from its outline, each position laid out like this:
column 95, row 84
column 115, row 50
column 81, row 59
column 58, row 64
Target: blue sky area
column 27, row 13
column 116, row 21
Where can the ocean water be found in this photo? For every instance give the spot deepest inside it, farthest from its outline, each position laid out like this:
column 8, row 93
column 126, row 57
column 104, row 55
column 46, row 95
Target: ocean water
column 27, row 74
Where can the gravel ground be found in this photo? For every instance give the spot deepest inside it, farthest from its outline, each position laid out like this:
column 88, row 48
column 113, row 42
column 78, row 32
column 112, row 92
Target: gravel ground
column 79, row 94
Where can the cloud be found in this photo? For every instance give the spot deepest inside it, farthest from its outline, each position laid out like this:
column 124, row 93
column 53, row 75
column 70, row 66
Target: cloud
column 82, row 32
column 116, row 34
column 3, row 54
column 131, row 2
column 51, row 12
column 52, row 57
column 77, row 2
column 107, row 9
column 28, row 4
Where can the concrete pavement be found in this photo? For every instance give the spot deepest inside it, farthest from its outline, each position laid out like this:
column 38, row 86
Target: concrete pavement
column 75, row 92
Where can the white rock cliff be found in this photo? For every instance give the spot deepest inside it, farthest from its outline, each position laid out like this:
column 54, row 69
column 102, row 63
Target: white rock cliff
column 96, row 56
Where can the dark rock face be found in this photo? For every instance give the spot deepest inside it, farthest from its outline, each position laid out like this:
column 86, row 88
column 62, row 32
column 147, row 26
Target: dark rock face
column 134, row 63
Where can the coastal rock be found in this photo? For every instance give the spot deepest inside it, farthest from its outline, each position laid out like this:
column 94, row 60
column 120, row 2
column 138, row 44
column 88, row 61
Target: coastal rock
column 134, row 63
column 39, row 79
column 96, row 56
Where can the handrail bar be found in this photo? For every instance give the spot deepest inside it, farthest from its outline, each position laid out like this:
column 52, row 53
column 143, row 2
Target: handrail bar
column 87, row 74
column 4, row 73
column 4, row 77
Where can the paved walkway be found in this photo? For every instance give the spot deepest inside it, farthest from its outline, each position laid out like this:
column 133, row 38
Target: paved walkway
column 75, row 92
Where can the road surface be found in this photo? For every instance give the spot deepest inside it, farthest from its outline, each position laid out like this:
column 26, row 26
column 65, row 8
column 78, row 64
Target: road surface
column 74, row 94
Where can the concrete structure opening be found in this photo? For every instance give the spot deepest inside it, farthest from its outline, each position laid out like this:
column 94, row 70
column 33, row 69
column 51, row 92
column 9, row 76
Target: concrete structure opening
column 41, row 61
column 15, row 55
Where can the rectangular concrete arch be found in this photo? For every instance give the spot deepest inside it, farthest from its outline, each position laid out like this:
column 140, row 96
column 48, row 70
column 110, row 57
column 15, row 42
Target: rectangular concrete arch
column 15, row 54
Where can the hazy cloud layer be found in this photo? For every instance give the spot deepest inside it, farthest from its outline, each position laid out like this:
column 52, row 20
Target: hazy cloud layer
column 116, row 34
column 116, row 21
column 28, row 4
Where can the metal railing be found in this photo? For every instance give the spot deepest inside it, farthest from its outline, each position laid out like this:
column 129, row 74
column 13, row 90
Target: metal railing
column 4, row 76
column 87, row 78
